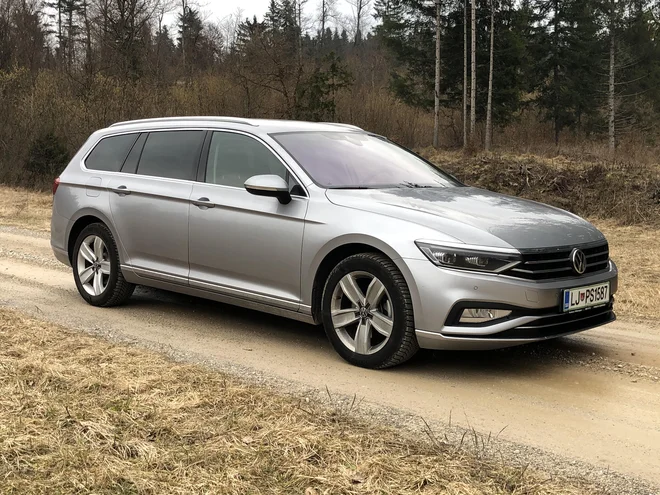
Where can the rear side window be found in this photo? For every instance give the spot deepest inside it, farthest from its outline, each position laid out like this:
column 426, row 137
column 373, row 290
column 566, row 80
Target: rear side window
column 171, row 154
column 131, row 162
column 110, row 153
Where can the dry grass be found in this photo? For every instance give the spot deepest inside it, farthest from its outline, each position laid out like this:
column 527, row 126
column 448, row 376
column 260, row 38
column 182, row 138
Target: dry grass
column 25, row 208
column 636, row 250
column 79, row 415
column 592, row 189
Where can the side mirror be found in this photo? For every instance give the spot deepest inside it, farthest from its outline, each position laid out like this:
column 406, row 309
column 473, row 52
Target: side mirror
column 269, row 185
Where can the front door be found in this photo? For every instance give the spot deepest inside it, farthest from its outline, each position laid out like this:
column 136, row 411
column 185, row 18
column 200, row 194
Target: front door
column 244, row 245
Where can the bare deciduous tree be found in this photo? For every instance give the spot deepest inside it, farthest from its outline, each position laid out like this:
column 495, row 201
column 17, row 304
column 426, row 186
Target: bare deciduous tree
column 436, row 113
column 465, row 74
column 489, row 105
column 229, row 27
column 473, row 84
column 327, row 11
column 360, row 10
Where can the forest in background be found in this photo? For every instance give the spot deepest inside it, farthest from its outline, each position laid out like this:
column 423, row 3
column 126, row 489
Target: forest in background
column 559, row 76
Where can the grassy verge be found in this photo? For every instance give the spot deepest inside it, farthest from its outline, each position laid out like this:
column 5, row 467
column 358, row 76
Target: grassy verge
column 635, row 249
column 25, row 208
column 78, row 414
column 626, row 193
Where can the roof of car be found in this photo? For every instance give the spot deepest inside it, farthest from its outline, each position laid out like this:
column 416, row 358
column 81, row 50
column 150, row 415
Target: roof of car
column 253, row 125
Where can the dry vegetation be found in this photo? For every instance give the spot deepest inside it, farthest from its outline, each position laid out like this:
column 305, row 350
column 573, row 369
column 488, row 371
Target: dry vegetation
column 78, row 414
column 593, row 188
column 635, row 249
column 25, row 208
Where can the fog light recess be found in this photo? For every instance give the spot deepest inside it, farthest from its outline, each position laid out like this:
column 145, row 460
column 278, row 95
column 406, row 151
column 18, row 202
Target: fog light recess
column 474, row 315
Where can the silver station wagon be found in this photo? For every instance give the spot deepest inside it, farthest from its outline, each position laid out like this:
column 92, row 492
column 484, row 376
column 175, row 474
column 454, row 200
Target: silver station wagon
column 327, row 224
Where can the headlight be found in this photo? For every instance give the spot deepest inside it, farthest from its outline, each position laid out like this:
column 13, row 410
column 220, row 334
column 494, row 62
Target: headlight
column 469, row 258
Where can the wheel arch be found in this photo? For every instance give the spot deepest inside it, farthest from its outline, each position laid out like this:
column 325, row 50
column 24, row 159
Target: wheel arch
column 82, row 219
column 341, row 249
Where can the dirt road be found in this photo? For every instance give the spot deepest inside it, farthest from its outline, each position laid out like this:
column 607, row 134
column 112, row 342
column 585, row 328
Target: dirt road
column 593, row 397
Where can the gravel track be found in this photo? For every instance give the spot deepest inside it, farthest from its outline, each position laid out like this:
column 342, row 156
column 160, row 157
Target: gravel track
column 587, row 405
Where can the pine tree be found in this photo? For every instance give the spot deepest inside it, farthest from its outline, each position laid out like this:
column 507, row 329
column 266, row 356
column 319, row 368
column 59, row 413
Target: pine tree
column 66, row 13
column 509, row 53
column 407, row 29
column 567, row 52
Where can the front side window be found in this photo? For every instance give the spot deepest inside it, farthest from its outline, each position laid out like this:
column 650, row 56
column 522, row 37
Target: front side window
column 234, row 158
column 356, row 160
column 171, row 154
column 109, row 154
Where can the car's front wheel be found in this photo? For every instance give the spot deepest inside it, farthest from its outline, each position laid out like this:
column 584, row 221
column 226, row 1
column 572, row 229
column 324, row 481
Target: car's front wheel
column 367, row 312
column 96, row 268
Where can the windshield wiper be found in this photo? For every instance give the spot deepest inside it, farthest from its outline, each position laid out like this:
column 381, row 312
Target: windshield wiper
column 351, row 187
column 413, row 185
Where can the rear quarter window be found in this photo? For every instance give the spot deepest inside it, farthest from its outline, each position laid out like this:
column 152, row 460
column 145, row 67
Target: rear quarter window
column 109, row 154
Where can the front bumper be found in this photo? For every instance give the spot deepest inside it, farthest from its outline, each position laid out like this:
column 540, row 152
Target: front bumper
column 535, row 305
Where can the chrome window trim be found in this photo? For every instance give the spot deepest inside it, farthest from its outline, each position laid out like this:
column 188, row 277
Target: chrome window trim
column 84, row 168
column 269, row 148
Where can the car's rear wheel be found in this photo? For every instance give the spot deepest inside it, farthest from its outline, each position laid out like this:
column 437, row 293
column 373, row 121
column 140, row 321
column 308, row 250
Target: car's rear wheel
column 367, row 312
column 96, row 268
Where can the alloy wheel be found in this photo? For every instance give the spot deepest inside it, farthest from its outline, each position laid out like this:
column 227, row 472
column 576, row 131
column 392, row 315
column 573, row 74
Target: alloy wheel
column 93, row 265
column 362, row 312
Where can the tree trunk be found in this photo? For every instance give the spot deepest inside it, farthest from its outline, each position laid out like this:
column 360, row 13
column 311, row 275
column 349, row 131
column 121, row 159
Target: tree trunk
column 556, row 73
column 611, row 94
column 358, row 11
column 473, row 85
column 323, row 16
column 60, row 35
column 489, row 106
column 299, row 20
column 465, row 75
column 69, row 36
column 184, row 20
column 436, row 123
column 89, row 60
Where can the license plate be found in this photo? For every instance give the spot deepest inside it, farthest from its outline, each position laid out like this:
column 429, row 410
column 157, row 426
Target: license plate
column 586, row 297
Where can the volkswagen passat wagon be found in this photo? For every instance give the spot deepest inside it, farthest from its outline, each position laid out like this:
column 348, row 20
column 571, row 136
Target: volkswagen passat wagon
column 327, row 224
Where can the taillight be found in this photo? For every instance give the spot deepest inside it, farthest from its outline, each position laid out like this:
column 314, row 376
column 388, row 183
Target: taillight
column 56, row 184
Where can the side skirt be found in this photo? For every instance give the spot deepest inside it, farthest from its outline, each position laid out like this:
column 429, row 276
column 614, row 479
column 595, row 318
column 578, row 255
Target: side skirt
column 132, row 277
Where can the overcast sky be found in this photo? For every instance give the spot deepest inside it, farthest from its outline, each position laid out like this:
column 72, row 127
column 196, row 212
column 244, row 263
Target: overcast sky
column 217, row 10
column 221, row 8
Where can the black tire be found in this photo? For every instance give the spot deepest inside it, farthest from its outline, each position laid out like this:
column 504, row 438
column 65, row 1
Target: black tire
column 402, row 344
column 117, row 290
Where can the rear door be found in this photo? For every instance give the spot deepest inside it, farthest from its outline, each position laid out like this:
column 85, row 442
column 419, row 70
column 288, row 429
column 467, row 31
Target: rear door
column 240, row 244
column 150, row 206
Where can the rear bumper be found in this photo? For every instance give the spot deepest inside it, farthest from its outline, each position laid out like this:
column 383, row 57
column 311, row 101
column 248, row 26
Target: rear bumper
column 58, row 228
column 536, row 328
column 61, row 255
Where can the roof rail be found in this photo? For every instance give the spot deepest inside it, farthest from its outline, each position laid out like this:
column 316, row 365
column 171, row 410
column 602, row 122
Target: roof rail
column 348, row 126
column 186, row 119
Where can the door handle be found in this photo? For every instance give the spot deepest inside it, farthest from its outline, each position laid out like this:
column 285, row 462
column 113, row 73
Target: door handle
column 121, row 190
column 204, row 203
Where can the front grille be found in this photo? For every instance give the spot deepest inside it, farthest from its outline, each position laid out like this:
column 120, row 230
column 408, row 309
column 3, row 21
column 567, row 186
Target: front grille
column 557, row 263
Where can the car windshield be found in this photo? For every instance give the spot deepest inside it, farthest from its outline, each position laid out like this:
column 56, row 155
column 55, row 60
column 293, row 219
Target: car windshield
column 354, row 160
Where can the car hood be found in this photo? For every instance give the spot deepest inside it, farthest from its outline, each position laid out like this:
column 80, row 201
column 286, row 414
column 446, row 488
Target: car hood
column 474, row 216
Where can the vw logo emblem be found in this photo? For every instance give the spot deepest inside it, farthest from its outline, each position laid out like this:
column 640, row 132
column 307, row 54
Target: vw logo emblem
column 579, row 260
